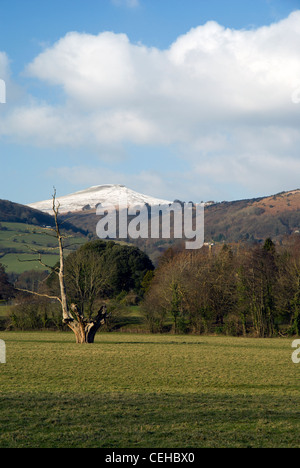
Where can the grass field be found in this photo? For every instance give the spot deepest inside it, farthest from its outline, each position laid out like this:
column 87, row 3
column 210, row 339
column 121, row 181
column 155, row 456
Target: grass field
column 149, row 391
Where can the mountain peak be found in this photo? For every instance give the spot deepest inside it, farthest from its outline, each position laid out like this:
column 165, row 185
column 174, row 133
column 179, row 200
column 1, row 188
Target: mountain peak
column 89, row 198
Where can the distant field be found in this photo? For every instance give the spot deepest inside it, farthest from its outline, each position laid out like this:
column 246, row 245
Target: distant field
column 24, row 239
column 163, row 391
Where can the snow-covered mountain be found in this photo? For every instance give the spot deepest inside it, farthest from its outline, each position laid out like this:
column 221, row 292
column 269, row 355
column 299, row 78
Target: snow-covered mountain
column 89, row 199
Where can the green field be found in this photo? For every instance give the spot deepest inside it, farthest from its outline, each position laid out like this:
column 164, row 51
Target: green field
column 163, row 391
column 21, row 241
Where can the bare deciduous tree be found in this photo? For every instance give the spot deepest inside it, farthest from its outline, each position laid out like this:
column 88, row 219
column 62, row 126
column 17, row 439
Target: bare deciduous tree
column 83, row 328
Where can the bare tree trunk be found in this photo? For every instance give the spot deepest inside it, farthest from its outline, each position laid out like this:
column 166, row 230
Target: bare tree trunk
column 66, row 314
column 85, row 330
column 67, row 317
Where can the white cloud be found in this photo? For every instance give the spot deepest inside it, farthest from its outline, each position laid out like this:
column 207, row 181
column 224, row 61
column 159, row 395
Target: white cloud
column 211, row 74
column 224, row 97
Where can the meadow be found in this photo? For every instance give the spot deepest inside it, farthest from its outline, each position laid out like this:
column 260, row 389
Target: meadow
column 19, row 243
column 147, row 391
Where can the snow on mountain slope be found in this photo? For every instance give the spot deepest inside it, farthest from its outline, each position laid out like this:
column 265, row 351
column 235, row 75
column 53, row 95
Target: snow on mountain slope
column 88, row 199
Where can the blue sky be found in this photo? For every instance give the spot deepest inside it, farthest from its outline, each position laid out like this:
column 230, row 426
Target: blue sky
column 186, row 99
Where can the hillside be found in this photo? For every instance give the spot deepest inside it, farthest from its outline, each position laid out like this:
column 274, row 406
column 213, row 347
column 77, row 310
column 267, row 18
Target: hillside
column 274, row 216
column 11, row 212
column 20, row 244
column 15, row 213
column 22, row 234
column 253, row 220
column 256, row 219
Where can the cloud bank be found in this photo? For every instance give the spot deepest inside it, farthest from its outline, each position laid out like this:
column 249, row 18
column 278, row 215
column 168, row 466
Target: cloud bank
column 224, row 98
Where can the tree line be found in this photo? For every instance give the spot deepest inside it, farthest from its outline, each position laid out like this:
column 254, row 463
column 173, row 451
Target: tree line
column 98, row 274
column 238, row 290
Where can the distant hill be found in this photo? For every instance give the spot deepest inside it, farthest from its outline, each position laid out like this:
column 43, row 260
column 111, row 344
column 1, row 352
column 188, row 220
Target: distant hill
column 251, row 220
column 15, row 213
column 255, row 219
column 11, row 212
column 274, row 216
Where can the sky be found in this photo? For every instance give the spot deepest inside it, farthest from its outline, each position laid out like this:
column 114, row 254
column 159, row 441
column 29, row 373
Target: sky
column 194, row 100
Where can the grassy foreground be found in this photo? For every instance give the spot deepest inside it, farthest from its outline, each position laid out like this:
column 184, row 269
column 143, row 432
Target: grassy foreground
column 149, row 391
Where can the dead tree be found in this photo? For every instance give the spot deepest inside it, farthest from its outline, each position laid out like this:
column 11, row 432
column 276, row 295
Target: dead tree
column 84, row 330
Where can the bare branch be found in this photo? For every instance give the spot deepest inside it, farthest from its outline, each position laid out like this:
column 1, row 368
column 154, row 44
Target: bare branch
column 40, row 261
column 38, row 294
